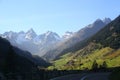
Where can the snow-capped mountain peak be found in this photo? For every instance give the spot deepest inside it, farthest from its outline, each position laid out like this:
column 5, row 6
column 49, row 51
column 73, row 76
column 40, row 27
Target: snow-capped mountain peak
column 67, row 35
column 107, row 20
column 50, row 33
column 47, row 38
column 30, row 34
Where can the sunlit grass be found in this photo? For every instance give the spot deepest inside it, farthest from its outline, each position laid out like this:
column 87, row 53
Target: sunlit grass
column 107, row 54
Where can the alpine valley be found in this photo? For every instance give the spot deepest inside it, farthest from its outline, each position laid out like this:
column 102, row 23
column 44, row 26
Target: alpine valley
column 92, row 50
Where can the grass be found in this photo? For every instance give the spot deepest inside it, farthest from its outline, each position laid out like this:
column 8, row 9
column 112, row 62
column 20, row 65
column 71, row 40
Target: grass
column 58, row 64
column 81, row 61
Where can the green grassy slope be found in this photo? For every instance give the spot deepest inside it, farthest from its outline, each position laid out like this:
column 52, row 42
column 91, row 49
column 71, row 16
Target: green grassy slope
column 79, row 60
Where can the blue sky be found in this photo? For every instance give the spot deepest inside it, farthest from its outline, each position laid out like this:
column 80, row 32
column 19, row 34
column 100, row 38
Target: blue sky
column 54, row 15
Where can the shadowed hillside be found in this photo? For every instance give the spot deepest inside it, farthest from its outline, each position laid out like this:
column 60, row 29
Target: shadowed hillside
column 16, row 64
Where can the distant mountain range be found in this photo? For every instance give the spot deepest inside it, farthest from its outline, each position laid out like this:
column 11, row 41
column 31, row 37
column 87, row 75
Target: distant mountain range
column 36, row 44
column 80, row 35
column 41, row 44
column 30, row 41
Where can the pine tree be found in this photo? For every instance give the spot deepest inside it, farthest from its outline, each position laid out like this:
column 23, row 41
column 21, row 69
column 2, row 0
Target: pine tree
column 95, row 65
column 104, row 65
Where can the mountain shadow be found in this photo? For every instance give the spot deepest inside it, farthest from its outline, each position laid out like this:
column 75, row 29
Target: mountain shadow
column 16, row 64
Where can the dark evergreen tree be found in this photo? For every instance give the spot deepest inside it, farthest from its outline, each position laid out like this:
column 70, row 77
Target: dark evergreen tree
column 104, row 64
column 95, row 65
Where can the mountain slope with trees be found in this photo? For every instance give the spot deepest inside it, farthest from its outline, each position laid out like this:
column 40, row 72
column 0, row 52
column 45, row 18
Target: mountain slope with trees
column 102, row 49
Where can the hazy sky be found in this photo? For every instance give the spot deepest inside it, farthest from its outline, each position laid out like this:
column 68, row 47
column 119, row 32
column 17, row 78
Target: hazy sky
column 54, row 15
